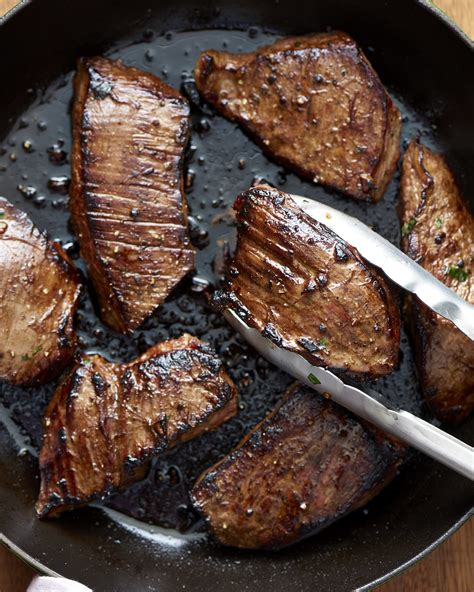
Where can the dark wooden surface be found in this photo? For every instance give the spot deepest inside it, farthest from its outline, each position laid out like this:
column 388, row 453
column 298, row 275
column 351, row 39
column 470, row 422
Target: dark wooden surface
column 450, row 568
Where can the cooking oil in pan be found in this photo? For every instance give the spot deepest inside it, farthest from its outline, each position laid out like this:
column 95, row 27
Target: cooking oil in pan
column 221, row 162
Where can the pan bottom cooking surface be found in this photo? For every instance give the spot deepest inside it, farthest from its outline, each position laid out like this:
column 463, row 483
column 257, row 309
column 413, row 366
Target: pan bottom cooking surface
column 221, row 161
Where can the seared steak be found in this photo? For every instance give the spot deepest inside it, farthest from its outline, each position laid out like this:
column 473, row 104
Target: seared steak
column 106, row 421
column 39, row 293
column 304, row 288
column 438, row 233
column 315, row 104
column 304, row 466
column 130, row 130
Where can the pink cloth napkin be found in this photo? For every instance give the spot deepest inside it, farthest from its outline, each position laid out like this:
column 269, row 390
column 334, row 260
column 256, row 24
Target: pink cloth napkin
column 48, row 584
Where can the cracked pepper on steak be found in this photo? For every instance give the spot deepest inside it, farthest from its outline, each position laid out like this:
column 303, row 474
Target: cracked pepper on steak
column 313, row 103
column 307, row 290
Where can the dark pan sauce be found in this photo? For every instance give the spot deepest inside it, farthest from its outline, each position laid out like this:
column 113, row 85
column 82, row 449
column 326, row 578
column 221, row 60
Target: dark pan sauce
column 221, row 162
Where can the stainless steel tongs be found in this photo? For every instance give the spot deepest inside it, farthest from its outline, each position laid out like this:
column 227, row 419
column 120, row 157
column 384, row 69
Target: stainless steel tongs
column 370, row 405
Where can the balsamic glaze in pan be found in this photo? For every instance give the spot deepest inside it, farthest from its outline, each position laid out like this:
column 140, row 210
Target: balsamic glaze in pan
column 221, row 162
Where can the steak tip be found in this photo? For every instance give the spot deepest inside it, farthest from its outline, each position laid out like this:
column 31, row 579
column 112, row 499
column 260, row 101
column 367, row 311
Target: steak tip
column 204, row 66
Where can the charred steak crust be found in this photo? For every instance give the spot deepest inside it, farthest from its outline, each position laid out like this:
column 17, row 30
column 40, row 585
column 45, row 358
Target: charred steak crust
column 128, row 208
column 438, row 233
column 313, row 103
column 307, row 290
column 105, row 421
column 39, row 294
column 307, row 464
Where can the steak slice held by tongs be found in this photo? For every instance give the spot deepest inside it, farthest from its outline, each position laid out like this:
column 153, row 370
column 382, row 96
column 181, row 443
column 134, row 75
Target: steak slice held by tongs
column 128, row 209
column 39, row 294
column 307, row 290
column 283, row 247
column 105, row 421
column 438, row 233
column 315, row 104
column 307, row 464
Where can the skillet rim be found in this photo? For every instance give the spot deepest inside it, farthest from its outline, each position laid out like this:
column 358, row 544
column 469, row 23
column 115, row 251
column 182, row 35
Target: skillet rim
column 44, row 570
column 41, row 568
column 13, row 10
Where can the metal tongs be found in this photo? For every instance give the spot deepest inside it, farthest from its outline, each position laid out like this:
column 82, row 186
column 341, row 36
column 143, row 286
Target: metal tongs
column 370, row 405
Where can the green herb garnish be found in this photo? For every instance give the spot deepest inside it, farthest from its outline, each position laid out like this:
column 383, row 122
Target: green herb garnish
column 37, row 350
column 457, row 273
column 323, row 342
column 408, row 227
column 26, row 357
column 438, row 223
column 312, row 378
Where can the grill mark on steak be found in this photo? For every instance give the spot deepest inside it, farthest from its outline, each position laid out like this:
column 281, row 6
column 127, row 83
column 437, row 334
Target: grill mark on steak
column 127, row 199
column 438, row 233
column 39, row 294
column 313, row 103
column 106, row 421
column 307, row 464
column 308, row 291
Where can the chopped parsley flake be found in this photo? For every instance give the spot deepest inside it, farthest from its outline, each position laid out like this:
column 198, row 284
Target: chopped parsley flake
column 37, row 350
column 312, row 378
column 457, row 273
column 26, row 357
column 323, row 342
column 438, row 223
column 408, row 227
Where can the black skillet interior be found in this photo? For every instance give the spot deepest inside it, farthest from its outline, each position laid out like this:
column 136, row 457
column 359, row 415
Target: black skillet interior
column 424, row 63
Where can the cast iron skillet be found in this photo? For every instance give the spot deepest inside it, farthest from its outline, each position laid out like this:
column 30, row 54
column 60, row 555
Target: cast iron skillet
column 425, row 61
